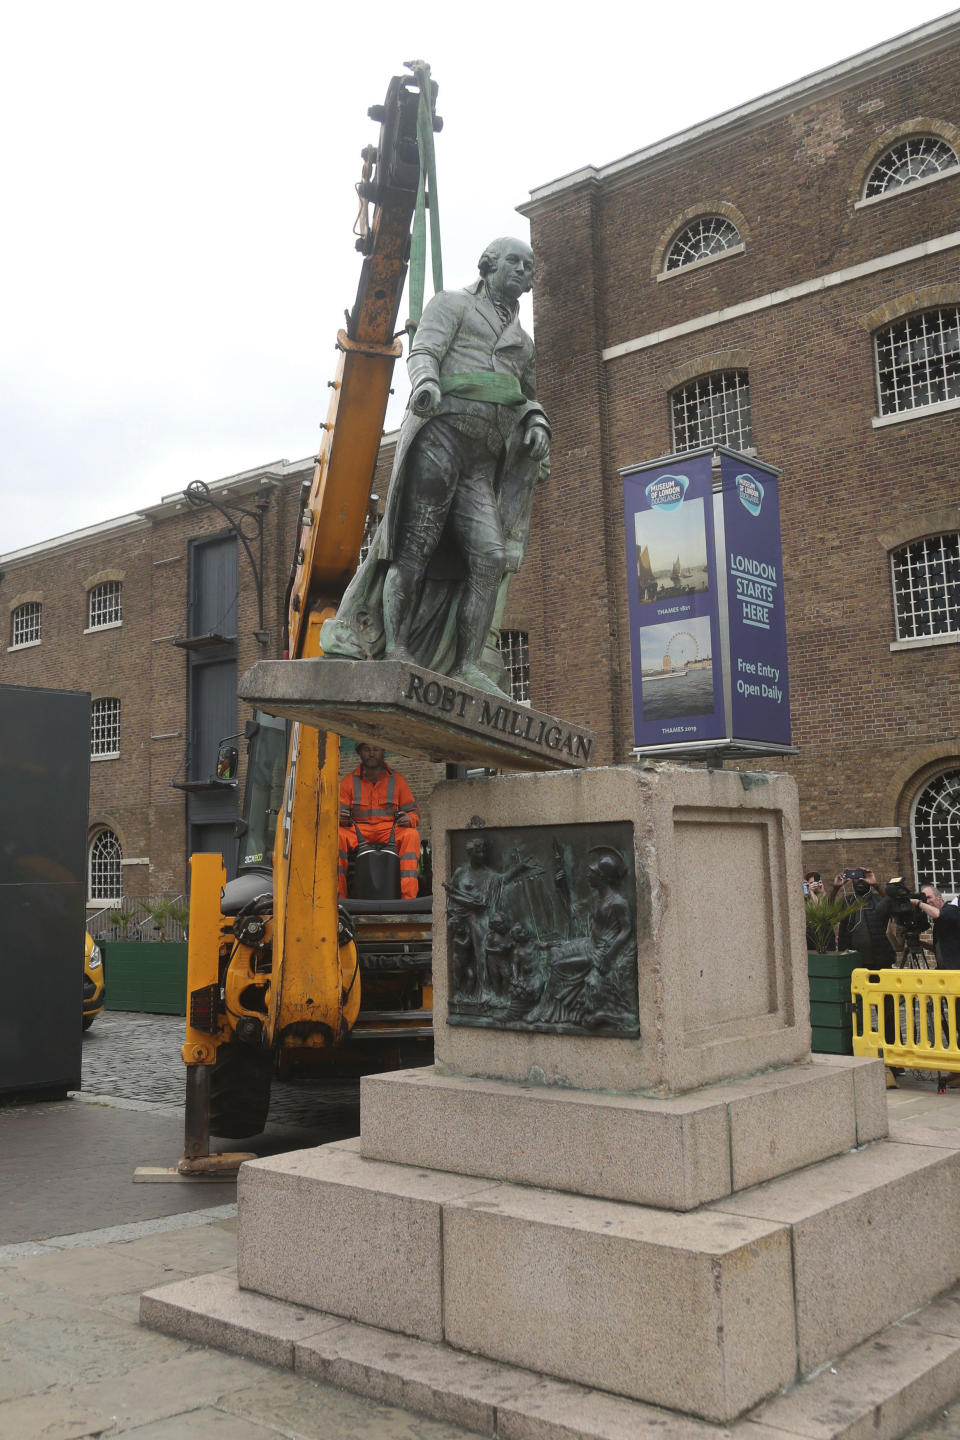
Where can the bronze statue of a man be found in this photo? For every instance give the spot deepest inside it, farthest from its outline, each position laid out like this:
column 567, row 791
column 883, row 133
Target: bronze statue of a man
column 473, row 445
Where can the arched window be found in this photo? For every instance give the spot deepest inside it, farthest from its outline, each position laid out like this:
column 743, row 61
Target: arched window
column 918, row 360
column 25, row 624
column 105, row 605
column 926, row 586
column 919, row 157
column 706, row 236
column 104, row 876
column 713, row 410
column 104, row 728
column 936, row 832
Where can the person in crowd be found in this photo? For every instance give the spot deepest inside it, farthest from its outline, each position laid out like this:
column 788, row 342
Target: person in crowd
column 866, row 930
column 814, row 889
column 945, row 915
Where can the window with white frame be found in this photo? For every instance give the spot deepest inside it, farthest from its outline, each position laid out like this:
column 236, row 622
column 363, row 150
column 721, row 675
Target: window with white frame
column 104, row 728
column 709, row 235
column 105, row 605
column 515, row 652
column 936, row 833
column 918, row 360
column 926, row 587
column 713, row 410
column 104, row 874
column 919, row 157
column 25, row 623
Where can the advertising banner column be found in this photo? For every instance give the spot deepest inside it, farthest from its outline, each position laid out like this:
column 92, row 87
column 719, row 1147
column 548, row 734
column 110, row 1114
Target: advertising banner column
column 672, row 589
column 760, row 693
column 708, row 638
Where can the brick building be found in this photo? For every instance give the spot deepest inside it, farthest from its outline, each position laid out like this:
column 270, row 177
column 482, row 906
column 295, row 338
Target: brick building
column 782, row 279
column 155, row 614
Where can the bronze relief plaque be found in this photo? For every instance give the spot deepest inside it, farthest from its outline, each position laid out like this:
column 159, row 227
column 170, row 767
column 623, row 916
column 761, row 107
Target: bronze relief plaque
column 542, row 929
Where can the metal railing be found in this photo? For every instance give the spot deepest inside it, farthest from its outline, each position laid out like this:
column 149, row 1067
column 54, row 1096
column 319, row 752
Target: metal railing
column 144, row 919
column 908, row 1018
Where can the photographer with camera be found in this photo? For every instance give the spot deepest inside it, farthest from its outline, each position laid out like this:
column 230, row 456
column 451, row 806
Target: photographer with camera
column 946, row 925
column 865, row 931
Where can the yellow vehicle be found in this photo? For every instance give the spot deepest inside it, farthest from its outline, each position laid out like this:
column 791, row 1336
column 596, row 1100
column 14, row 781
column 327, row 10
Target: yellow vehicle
column 94, row 990
column 283, row 978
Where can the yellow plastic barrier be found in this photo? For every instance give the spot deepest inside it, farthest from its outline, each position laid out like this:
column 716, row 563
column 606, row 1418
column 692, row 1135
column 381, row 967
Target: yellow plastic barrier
column 907, row 1017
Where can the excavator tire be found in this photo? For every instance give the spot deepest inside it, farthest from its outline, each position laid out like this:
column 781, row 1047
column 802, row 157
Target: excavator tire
column 239, row 1092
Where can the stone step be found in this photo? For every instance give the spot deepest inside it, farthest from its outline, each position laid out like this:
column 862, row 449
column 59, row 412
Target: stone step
column 677, row 1153
column 710, row 1311
column 878, row 1391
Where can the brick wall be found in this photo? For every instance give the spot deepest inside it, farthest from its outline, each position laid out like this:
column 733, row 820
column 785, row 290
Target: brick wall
column 861, row 714
column 137, row 661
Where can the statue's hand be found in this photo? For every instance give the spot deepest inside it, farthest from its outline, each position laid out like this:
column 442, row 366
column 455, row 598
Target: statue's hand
column 537, row 441
column 426, row 398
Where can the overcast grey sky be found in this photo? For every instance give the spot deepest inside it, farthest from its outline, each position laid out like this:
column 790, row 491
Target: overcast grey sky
column 176, row 250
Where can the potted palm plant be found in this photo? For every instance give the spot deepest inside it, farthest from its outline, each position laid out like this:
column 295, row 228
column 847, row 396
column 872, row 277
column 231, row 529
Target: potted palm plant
column 829, row 974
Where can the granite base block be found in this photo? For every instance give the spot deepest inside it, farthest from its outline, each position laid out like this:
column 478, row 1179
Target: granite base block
column 870, row 1242
column 675, row 1153
column 326, row 1228
column 686, row 1311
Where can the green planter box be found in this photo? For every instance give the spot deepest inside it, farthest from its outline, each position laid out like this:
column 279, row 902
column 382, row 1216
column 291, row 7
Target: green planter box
column 837, row 965
column 825, row 1041
column 831, row 1007
column 150, row 976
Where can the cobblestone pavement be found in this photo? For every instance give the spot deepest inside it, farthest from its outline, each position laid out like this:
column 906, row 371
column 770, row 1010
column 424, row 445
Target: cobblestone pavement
column 137, row 1057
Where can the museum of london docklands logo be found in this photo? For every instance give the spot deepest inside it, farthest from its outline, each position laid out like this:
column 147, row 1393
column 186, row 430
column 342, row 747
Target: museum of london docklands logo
column 750, row 492
column 667, row 493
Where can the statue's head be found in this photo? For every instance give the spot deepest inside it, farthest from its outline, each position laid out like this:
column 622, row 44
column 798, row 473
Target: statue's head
column 507, row 267
column 477, row 849
column 604, row 871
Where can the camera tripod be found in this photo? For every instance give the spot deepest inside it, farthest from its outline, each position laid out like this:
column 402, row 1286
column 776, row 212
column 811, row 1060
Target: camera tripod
column 914, row 955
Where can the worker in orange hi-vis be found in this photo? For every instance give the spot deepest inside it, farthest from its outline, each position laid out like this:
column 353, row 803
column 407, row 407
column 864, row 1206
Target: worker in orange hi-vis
column 372, row 797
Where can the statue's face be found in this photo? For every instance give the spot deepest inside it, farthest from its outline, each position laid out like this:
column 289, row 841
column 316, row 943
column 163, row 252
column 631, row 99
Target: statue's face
column 513, row 276
column 476, row 851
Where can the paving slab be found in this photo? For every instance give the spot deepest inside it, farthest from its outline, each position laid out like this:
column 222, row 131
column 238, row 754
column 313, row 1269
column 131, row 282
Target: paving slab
column 80, row 1158
column 300, row 1407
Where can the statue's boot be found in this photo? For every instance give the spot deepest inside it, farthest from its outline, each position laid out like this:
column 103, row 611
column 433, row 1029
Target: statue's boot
column 399, row 592
column 473, row 675
column 474, row 618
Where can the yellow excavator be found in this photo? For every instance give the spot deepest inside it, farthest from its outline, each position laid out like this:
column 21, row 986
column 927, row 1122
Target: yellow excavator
column 283, row 978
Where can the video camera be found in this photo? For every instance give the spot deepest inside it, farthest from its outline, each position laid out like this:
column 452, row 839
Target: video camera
column 906, row 914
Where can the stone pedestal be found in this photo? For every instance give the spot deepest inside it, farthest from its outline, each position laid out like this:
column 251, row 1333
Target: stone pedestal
column 721, row 958
column 689, row 1219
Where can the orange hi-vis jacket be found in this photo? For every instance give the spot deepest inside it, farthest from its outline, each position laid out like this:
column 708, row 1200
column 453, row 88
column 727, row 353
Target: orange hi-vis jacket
column 374, row 804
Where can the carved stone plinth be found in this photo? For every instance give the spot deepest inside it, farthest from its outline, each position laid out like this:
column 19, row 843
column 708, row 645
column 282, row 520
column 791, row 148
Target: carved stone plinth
column 565, row 1228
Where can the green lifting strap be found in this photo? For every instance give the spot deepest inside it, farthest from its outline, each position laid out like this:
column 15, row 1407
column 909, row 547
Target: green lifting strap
column 428, row 184
column 489, row 385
